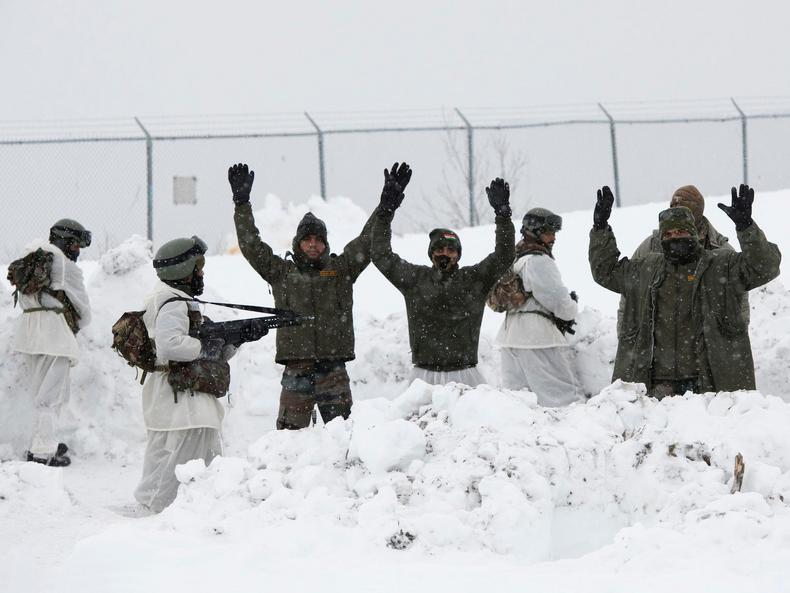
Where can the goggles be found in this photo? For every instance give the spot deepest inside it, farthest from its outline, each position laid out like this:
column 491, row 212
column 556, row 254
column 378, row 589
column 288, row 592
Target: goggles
column 81, row 238
column 537, row 223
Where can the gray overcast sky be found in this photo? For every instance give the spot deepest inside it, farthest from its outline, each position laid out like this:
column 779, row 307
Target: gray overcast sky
column 97, row 58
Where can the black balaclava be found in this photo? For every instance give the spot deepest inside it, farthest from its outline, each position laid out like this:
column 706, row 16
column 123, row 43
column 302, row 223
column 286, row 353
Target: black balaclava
column 192, row 284
column 439, row 238
column 64, row 245
column 679, row 250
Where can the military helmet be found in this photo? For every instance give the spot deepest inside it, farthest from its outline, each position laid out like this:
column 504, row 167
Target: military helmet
column 538, row 220
column 178, row 258
column 68, row 230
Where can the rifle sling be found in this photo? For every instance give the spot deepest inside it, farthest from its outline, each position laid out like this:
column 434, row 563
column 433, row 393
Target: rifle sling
column 254, row 308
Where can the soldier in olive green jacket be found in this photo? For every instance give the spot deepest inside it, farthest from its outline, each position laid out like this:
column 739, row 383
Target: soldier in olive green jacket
column 314, row 283
column 444, row 303
column 710, row 239
column 683, row 329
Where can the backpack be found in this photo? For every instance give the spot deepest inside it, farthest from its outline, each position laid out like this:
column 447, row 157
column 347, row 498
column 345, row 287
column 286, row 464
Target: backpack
column 131, row 341
column 32, row 273
column 508, row 293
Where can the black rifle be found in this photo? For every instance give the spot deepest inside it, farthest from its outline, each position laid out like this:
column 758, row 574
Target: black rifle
column 566, row 327
column 239, row 331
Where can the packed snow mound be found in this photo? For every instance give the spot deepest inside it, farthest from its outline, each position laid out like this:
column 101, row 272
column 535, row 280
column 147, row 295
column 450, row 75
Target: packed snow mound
column 28, row 486
column 277, row 221
column 486, row 469
column 448, row 470
column 136, row 251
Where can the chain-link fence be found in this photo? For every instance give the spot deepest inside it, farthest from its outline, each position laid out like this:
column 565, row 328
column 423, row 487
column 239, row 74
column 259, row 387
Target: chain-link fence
column 165, row 177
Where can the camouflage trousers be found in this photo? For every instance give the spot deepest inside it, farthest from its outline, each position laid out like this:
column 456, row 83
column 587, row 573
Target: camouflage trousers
column 313, row 383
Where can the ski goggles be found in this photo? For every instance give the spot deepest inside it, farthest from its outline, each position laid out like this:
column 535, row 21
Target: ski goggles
column 81, row 238
column 198, row 249
column 539, row 223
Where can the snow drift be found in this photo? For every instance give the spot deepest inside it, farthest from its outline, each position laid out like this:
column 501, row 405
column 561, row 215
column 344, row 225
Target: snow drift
column 424, row 487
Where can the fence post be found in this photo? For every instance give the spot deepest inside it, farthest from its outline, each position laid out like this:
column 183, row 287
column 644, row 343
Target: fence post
column 470, row 151
column 321, row 169
column 617, row 199
column 149, row 166
column 743, row 142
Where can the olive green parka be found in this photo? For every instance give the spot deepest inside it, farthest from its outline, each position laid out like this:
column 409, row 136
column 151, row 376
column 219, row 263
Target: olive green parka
column 713, row 240
column 444, row 309
column 724, row 357
column 326, row 293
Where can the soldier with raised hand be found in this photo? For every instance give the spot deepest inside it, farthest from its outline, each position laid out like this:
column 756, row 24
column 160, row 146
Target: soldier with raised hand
column 314, row 282
column 709, row 238
column 46, row 334
column 682, row 325
column 444, row 302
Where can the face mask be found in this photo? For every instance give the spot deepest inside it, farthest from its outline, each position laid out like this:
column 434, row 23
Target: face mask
column 681, row 250
column 196, row 285
column 65, row 246
column 442, row 262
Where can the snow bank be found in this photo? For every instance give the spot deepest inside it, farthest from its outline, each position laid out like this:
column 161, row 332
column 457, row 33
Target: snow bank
column 479, row 475
column 425, row 487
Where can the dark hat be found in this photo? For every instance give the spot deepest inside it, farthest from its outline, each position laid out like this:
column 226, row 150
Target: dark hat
column 690, row 197
column 310, row 225
column 443, row 238
column 678, row 217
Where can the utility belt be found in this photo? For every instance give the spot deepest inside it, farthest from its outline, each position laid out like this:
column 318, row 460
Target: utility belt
column 35, row 309
column 566, row 327
column 207, row 376
column 68, row 311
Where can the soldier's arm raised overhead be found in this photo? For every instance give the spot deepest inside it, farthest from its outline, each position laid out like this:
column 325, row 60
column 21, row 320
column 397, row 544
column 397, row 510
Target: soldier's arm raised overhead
column 358, row 251
column 758, row 262
column 497, row 263
column 256, row 252
column 608, row 269
column 398, row 271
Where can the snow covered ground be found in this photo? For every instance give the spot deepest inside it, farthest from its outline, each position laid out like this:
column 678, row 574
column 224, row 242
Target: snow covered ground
column 424, row 488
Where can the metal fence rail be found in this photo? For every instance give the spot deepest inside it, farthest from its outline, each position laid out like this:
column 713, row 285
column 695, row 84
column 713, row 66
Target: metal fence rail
column 98, row 169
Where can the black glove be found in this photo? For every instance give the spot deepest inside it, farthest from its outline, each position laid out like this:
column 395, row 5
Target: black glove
column 741, row 210
column 574, row 296
column 211, row 348
column 253, row 333
column 499, row 197
column 603, row 208
column 395, row 181
column 240, row 179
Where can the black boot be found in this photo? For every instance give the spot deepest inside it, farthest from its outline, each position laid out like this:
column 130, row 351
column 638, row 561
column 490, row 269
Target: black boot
column 54, row 461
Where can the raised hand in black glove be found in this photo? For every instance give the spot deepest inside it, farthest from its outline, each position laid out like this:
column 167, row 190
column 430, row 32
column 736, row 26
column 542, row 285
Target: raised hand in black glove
column 395, row 181
column 741, row 209
column 499, row 197
column 603, row 208
column 574, row 296
column 240, row 179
